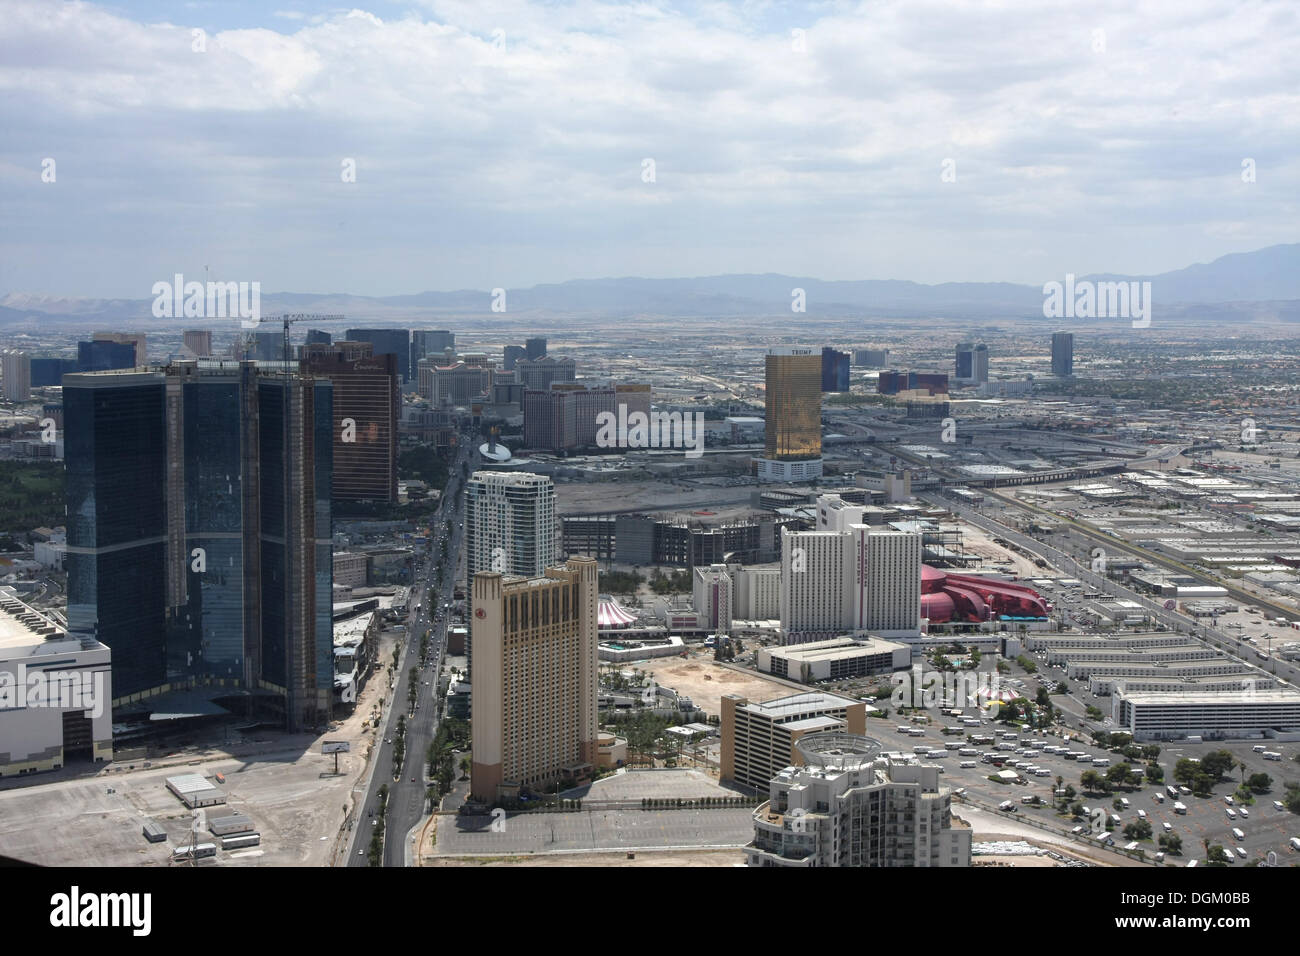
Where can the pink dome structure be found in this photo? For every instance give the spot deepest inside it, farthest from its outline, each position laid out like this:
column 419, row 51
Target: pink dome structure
column 963, row 597
column 611, row 614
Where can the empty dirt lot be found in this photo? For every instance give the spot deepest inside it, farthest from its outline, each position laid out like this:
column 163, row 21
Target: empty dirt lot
column 704, row 681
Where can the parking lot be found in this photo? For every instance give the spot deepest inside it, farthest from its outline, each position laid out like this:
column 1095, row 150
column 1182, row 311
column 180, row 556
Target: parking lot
column 1265, row 829
column 594, row 830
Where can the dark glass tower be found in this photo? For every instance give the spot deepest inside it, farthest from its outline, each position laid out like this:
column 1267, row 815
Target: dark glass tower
column 201, row 548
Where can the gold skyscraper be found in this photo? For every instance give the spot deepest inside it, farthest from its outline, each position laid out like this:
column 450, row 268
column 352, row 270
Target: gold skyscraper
column 793, row 428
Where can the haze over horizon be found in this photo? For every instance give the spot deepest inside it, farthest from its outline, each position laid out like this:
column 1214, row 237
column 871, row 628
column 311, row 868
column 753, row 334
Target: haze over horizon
column 504, row 144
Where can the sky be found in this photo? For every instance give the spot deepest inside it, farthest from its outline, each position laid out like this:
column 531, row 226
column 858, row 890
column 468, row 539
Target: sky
column 502, row 143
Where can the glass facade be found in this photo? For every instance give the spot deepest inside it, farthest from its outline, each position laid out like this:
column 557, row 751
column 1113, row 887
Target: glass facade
column 793, row 403
column 114, row 441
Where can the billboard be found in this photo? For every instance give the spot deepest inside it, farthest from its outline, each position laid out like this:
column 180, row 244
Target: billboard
column 335, row 747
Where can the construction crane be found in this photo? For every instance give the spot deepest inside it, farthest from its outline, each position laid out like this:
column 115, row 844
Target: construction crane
column 290, row 317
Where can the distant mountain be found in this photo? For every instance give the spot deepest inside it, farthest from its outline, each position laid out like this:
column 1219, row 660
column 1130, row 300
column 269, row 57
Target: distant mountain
column 1270, row 275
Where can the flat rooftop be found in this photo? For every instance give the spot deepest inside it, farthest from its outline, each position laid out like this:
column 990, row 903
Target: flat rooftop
column 799, row 703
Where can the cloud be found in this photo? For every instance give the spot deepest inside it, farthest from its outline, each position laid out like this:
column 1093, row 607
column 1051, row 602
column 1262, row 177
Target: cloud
column 502, row 143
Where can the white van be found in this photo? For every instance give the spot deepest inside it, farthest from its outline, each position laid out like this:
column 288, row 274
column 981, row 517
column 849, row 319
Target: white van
column 1123, row 802
column 1232, row 814
column 1238, row 834
column 967, row 764
column 1142, row 814
column 1259, row 748
column 1295, row 843
column 1169, row 827
column 1279, row 805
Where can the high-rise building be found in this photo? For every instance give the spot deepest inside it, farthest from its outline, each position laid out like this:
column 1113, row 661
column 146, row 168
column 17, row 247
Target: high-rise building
column 317, row 337
column 198, row 342
column 965, row 360
column 1062, row 354
column 509, row 523
column 871, row 358
column 134, row 339
column 50, row 371
column 199, row 536
column 367, row 402
column 534, row 349
column 16, row 375
column 835, row 370
column 849, row 806
column 455, row 384
column 543, row 372
column 564, row 417
column 972, row 363
column 103, row 355
column 893, row 381
column 534, row 679
column 792, row 429
column 713, row 599
column 386, row 341
column 847, row 576
column 513, row 353
column 265, row 347
column 426, row 342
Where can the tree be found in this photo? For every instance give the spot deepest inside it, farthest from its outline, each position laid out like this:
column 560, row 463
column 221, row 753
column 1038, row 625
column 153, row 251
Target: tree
column 1091, row 781
column 1185, row 770
column 1260, row 782
column 1154, row 773
column 1138, row 830
column 1172, row 844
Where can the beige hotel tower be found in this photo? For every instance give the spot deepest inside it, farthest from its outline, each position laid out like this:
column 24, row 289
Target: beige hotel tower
column 534, row 679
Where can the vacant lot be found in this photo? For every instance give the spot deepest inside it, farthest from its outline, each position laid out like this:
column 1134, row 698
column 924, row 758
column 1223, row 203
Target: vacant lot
column 704, row 681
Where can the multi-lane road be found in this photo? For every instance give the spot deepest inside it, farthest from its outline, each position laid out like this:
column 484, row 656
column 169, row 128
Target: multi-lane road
column 407, row 802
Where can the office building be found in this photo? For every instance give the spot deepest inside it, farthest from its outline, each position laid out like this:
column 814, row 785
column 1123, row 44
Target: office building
column 848, row 806
column 533, row 683
column 1062, row 354
column 756, row 594
column 835, row 370
column 792, row 427
column 541, row 373
column 534, row 349
column 317, row 337
column 513, row 353
column 101, row 355
column 758, row 739
column 198, row 342
column 367, row 402
column 509, row 523
column 16, row 375
column 55, row 692
column 565, row 417
column 871, row 358
column 199, row 535
column 134, row 339
column 389, row 341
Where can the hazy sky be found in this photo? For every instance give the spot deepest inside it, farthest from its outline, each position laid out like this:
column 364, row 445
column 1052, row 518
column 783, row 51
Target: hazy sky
column 503, row 143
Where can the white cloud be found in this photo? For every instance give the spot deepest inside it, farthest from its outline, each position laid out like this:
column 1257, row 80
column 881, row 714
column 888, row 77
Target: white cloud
column 467, row 147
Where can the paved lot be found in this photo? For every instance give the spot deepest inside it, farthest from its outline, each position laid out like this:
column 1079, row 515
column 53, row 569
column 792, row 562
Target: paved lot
column 652, row 784
column 595, row 830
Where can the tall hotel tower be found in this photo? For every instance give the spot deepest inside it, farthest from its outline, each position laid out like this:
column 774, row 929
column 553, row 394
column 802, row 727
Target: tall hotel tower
column 534, row 679
column 199, row 538
column 793, row 428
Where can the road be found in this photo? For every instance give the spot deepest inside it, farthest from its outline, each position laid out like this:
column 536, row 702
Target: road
column 407, row 800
